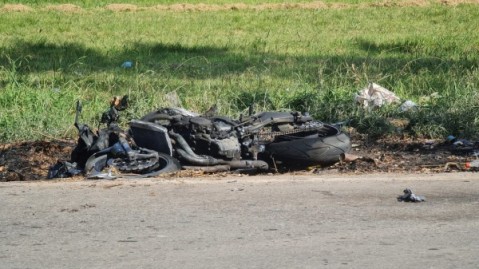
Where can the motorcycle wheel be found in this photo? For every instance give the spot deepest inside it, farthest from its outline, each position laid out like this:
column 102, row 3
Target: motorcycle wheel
column 164, row 164
column 310, row 149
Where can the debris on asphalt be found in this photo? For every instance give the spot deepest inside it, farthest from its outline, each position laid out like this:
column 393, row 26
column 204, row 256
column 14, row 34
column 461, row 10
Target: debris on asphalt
column 409, row 196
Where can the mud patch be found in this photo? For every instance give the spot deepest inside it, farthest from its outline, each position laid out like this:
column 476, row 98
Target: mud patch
column 15, row 8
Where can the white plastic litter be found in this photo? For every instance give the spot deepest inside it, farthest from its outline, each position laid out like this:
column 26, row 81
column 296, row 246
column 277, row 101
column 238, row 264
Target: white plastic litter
column 374, row 96
column 408, row 105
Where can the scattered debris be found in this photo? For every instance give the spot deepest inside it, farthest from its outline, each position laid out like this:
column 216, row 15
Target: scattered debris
column 399, row 124
column 463, row 146
column 63, row 169
column 409, row 196
column 127, row 64
column 99, row 175
column 349, row 158
column 450, row 166
column 393, row 154
column 374, row 96
column 460, row 142
column 31, row 160
column 473, row 165
column 408, row 106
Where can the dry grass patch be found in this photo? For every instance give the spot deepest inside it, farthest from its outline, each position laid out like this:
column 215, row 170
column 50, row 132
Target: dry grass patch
column 458, row 2
column 15, row 8
column 122, row 7
column 239, row 6
column 403, row 3
column 65, row 8
column 182, row 7
column 242, row 6
column 310, row 5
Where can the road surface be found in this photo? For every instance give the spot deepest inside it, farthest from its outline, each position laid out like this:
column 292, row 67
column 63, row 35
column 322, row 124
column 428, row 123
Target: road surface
column 285, row 221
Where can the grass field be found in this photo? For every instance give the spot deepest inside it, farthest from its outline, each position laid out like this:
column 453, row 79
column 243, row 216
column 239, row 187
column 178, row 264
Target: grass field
column 310, row 58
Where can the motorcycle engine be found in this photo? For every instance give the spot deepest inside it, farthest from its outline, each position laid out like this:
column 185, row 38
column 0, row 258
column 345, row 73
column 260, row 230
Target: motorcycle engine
column 212, row 137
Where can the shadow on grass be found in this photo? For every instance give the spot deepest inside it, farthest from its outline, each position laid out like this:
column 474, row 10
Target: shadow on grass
column 207, row 61
column 417, row 55
column 41, row 56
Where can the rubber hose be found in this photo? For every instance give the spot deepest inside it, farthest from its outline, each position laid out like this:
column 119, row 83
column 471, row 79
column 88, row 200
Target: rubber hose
column 183, row 144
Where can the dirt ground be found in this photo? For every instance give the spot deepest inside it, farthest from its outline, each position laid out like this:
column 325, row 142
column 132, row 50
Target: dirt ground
column 31, row 160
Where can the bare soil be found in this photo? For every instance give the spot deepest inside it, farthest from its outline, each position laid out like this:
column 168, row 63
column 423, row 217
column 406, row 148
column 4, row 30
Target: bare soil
column 26, row 161
column 31, row 160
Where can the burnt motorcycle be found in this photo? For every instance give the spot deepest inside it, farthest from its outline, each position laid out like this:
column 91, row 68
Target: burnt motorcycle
column 258, row 142
column 170, row 139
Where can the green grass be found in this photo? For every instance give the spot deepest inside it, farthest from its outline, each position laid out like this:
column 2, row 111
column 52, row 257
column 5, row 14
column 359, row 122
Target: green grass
column 314, row 60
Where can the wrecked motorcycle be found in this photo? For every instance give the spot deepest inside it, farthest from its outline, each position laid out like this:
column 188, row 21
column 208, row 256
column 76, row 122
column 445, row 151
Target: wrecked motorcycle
column 170, row 139
column 257, row 142
column 114, row 148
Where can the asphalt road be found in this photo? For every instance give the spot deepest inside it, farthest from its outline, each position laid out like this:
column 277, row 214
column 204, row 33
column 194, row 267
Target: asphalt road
column 288, row 221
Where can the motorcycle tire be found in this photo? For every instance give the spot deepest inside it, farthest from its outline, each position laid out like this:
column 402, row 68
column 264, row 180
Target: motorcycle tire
column 137, row 166
column 310, row 150
column 165, row 164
